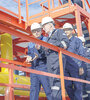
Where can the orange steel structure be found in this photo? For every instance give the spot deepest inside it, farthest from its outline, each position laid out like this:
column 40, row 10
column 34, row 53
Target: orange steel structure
column 14, row 25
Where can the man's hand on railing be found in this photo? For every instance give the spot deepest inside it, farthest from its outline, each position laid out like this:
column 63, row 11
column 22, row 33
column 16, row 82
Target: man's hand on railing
column 28, row 59
column 37, row 46
column 81, row 71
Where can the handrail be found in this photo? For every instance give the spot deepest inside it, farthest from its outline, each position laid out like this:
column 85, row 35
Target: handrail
column 44, row 2
column 59, row 1
column 14, row 62
column 42, row 43
column 43, row 7
column 12, row 85
column 19, row 11
column 88, row 3
column 9, row 11
column 18, row 2
column 34, row 2
column 83, row 3
column 14, row 67
column 32, row 39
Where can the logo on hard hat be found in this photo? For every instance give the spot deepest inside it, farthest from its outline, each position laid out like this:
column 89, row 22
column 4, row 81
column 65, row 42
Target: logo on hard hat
column 35, row 26
column 46, row 20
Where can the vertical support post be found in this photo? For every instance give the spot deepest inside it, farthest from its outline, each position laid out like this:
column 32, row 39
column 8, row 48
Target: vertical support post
column 83, row 2
column 62, row 76
column 52, row 3
column 86, row 23
column 69, row 1
column 11, row 82
column 49, row 7
column 9, row 92
column 19, row 10
column 78, row 22
column 89, row 27
column 27, row 15
column 0, row 49
column 43, row 10
column 88, row 3
column 6, row 97
column 59, row 2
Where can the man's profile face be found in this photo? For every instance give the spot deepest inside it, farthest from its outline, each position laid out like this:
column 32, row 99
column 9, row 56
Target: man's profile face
column 37, row 32
column 68, row 31
column 46, row 28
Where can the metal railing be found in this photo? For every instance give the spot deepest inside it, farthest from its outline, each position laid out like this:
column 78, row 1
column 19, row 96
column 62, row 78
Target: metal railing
column 13, row 66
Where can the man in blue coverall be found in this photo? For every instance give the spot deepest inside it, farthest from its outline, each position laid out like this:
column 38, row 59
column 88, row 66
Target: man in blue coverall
column 73, row 66
column 36, row 56
column 58, row 38
column 86, row 76
column 87, row 87
column 79, row 2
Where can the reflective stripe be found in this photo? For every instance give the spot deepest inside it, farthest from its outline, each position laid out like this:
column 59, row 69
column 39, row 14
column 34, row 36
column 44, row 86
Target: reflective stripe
column 88, row 50
column 84, row 96
column 88, row 91
column 55, row 88
column 64, row 44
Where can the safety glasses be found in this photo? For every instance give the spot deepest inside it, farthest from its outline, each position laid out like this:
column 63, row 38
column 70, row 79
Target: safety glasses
column 36, row 30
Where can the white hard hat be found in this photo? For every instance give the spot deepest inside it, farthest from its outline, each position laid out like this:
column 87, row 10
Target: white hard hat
column 82, row 38
column 67, row 25
column 35, row 26
column 46, row 20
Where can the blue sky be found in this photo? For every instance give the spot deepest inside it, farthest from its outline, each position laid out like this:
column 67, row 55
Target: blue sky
column 34, row 8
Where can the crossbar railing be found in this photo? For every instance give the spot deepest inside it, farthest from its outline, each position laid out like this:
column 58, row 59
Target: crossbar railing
column 88, row 3
column 32, row 39
column 50, row 7
column 55, row 48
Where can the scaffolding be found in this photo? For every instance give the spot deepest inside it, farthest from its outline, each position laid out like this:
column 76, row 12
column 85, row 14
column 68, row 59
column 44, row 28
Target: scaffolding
column 14, row 25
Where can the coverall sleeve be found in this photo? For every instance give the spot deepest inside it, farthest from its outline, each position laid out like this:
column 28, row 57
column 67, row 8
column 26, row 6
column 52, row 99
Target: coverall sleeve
column 30, row 49
column 44, row 39
column 77, row 48
column 63, row 40
column 87, row 52
column 80, row 50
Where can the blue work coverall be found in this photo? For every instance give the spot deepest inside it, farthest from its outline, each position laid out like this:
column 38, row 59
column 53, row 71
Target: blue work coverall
column 86, row 87
column 79, row 2
column 38, row 80
column 57, row 38
column 88, row 79
column 72, row 69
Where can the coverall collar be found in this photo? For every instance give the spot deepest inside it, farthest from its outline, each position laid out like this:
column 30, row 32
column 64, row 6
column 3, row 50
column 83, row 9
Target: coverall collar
column 71, row 38
column 51, row 32
column 40, row 38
